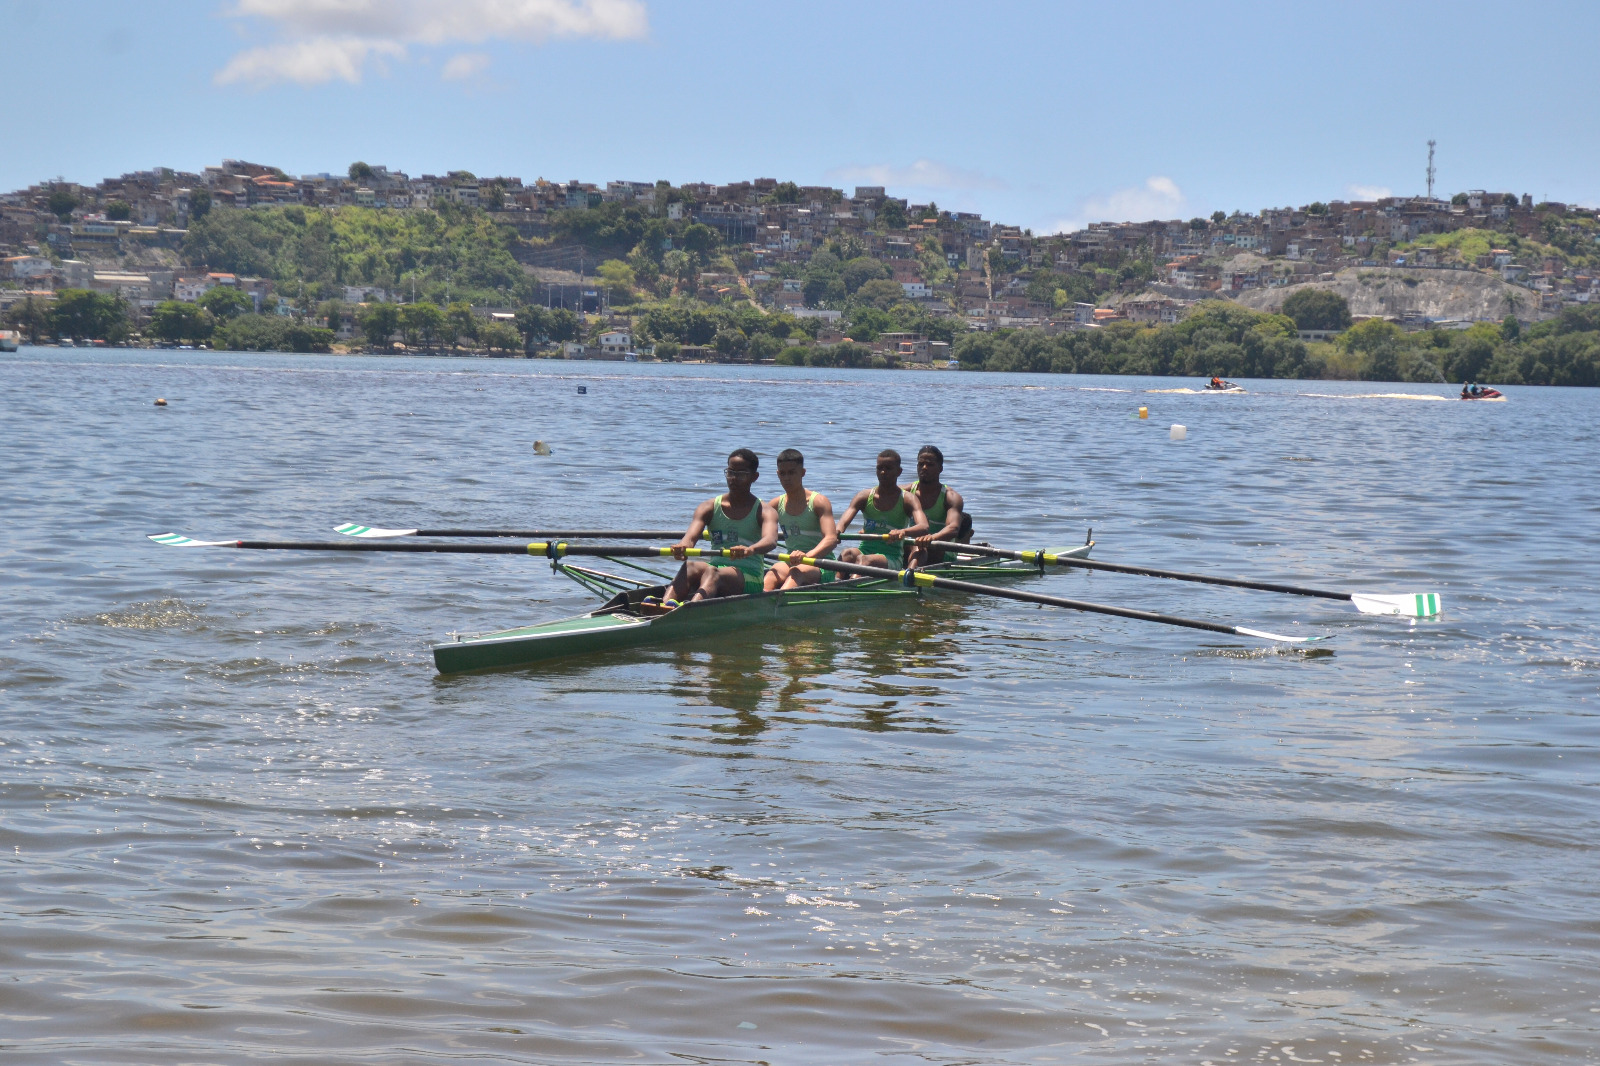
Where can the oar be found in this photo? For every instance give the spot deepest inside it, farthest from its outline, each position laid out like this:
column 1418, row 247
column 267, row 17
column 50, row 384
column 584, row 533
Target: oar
column 1410, row 604
column 920, row 578
column 352, row 529
column 544, row 549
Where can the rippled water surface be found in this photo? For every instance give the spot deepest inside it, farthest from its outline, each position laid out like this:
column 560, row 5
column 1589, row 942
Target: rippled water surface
column 242, row 819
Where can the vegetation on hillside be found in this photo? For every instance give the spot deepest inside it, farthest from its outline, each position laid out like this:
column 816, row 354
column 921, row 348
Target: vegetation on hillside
column 449, row 252
column 1232, row 341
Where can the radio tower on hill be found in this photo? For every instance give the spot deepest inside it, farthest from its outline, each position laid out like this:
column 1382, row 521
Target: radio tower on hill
column 1430, row 168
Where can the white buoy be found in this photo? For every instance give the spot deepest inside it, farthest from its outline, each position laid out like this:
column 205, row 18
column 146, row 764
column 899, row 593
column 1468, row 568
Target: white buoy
column 1178, row 433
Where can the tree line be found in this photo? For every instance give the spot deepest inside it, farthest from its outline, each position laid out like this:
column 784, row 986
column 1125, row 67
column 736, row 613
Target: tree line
column 1224, row 339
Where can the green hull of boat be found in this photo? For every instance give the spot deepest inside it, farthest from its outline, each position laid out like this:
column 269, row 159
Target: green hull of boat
column 621, row 623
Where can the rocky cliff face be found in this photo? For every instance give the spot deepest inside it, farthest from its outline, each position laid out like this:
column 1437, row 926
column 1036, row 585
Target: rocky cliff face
column 1393, row 291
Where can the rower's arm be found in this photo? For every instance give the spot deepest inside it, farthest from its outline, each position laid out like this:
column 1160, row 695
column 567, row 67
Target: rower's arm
column 697, row 526
column 919, row 518
column 769, row 530
column 854, row 509
column 823, row 508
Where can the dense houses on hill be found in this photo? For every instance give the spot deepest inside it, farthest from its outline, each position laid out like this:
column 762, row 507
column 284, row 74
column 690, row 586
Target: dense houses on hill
column 124, row 236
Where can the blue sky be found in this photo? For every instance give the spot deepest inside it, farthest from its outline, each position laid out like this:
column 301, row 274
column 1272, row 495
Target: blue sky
column 1042, row 114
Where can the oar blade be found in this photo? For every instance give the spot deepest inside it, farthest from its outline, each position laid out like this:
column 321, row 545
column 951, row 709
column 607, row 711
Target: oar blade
column 351, row 529
column 1276, row 638
column 1407, row 605
column 178, row 540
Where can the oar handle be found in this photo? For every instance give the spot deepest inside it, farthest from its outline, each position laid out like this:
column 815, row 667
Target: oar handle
column 923, row 579
column 1144, row 571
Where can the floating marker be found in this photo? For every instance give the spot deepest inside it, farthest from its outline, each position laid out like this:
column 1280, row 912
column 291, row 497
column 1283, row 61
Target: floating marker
column 583, row 390
column 1144, row 412
column 1178, row 433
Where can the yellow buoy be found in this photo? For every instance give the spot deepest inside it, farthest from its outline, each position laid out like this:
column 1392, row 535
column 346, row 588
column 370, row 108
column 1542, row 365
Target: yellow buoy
column 160, row 402
column 1144, row 412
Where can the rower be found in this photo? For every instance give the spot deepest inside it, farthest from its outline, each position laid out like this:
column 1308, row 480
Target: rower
column 889, row 516
column 806, row 520
column 738, row 521
column 946, row 510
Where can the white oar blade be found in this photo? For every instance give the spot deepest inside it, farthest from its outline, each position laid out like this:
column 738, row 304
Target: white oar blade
column 178, row 540
column 1409, row 605
column 1276, row 638
column 350, row 529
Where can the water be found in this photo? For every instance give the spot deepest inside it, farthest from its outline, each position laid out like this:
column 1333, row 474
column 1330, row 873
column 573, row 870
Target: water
column 243, row 820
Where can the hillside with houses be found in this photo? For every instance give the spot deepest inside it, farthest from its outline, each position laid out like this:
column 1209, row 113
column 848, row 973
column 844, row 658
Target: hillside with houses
column 244, row 255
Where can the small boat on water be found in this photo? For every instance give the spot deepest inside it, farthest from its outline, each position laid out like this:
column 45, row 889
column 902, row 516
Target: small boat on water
column 626, row 621
column 1480, row 392
column 9, row 340
column 1219, row 385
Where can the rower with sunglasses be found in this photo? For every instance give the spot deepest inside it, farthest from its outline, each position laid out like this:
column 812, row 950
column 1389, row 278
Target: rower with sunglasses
column 739, row 521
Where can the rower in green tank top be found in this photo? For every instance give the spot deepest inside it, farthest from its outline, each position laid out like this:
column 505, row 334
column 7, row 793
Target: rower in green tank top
column 889, row 517
column 946, row 510
column 806, row 521
column 739, row 521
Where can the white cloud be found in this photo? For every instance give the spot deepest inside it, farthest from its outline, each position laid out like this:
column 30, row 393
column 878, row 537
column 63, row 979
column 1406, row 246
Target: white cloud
column 464, row 66
column 1368, row 192
column 923, row 174
column 308, row 62
column 334, row 39
column 1157, row 198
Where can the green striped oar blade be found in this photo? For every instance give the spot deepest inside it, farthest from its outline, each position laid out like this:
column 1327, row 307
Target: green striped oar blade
column 178, row 540
column 1407, row 605
column 350, row 529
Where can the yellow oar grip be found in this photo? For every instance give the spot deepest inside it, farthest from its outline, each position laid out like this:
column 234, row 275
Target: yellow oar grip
column 548, row 549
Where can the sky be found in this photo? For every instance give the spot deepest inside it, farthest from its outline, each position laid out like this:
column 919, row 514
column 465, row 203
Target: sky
column 1046, row 114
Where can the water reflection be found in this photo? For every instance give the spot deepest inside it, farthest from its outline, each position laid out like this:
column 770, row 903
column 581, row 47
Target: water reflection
column 862, row 671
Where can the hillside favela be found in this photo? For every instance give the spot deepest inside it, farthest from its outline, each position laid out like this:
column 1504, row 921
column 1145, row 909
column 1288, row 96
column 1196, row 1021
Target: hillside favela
column 1492, row 285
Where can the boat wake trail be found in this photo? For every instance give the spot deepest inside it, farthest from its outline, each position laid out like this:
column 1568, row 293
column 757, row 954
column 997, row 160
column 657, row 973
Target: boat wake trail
column 1376, row 396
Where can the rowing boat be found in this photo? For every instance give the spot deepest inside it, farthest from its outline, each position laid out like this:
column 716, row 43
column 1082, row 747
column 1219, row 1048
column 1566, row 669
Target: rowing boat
column 626, row 621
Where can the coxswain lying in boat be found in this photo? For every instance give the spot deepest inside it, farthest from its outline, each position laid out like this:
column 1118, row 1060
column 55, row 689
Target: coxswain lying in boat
column 738, row 521
column 806, row 521
column 945, row 509
column 889, row 518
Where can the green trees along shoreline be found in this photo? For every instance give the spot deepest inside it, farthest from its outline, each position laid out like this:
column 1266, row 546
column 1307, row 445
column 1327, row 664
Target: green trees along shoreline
column 1232, row 341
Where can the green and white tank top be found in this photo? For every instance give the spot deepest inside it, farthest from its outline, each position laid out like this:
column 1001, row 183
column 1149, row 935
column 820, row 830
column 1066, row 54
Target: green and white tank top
column 937, row 510
column 725, row 532
column 876, row 521
column 803, row 531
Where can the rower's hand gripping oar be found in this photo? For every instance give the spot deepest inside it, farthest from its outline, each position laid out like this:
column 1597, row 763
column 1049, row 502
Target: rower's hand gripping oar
column 923, row 579
column 1410, row 605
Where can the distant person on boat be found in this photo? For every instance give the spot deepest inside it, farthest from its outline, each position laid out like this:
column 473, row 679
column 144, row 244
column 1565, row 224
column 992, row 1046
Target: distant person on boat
column 739, row 521
column 806, row 521
column 946, row 510
column 1468, row 390
column 1217, row 383
column 889, row 517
